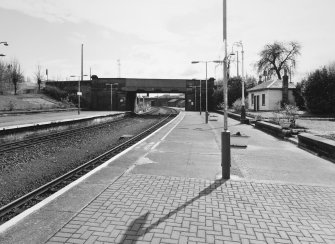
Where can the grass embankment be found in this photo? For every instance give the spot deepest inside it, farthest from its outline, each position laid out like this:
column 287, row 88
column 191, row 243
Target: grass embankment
column 321, row 126
column 28, row 102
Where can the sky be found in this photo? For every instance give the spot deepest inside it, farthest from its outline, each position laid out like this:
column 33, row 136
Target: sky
column 160, row 38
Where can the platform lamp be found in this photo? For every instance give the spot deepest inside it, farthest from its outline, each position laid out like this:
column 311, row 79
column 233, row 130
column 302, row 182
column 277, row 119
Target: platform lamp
column 200, row 105
column 111, row 85
column 5, row 44
column 195, row 97
column 196, row 62
column 243, row 113
column 225, row 135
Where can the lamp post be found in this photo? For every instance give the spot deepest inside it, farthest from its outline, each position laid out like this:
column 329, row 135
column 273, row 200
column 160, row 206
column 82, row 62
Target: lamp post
column 243, row 114
column 79, row 93
column 225, row 135
column 5, row 44
column 215, row 72
column 195, row 97
column 196, row 62
column 111, row 85
column 237, row 61
column 200, row 96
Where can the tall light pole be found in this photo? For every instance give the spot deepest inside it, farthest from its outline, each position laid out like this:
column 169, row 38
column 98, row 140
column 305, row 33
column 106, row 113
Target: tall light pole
column 196, row 62
column 5, row 44
column 200, row 96
column 81, row 76
column 237, row 64
column 79, row 93
column 225, row 135
column 243, row 114
column 195, row 97
column 111, row 85
column 218, row 65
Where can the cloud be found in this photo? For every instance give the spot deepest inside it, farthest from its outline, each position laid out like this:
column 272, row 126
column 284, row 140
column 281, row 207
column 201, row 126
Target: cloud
column 52, row 11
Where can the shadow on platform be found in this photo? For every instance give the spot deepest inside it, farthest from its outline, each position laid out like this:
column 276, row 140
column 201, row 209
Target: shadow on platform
column 136, row 228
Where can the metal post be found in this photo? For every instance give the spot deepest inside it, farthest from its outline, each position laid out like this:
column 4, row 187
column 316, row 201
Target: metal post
column 200, row 98
column 225, row 135
column 111, row 97
column 81, row 76
column 238, row 73
column 206, row 97
column 243, row 114
column 195, row 97
column 143, row 104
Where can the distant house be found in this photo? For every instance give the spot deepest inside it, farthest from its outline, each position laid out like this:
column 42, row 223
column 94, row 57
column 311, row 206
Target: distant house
column 268, row 95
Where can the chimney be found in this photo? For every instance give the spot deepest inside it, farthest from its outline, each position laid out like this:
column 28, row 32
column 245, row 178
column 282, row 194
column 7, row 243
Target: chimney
column 260, row 80
column 285, row 88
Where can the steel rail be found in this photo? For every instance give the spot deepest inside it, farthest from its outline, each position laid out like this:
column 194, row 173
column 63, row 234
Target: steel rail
column 52, row 136
column 13, row 208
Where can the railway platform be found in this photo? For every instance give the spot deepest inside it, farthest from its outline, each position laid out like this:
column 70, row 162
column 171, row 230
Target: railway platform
column 168, row 189
column 32, row 119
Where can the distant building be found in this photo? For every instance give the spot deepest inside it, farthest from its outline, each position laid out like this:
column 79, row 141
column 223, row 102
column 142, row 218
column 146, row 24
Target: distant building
column 268, row 95
column 173, row 102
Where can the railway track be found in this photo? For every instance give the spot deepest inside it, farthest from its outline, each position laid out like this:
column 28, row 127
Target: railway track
column 6, row 147
column 14, row 208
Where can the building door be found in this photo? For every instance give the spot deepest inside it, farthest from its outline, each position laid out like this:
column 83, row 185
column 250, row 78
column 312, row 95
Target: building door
column 256, row 103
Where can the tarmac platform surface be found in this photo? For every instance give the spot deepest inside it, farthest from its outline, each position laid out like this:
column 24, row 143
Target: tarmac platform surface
column 26, row 120
column 167, row 189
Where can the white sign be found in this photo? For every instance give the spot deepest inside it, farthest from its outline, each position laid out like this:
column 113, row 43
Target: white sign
column 79, row 93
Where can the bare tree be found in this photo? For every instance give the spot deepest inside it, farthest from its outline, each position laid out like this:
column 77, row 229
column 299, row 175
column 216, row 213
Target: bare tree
column 39, row 76
column 2, row 74
column 16, row 74
column 276, row 57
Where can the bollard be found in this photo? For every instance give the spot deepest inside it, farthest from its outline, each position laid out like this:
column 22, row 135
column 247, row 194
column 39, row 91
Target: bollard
column 225, row 154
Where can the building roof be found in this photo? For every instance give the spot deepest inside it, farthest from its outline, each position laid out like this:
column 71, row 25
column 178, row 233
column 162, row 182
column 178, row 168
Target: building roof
column 273, row 85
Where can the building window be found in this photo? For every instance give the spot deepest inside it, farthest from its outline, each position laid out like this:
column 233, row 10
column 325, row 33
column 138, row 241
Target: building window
column 252, row 98
column 263, row 99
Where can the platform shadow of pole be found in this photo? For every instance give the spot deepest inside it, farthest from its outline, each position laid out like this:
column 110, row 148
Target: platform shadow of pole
column 136, row 228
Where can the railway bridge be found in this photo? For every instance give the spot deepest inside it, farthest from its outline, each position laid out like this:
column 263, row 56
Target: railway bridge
column 98, row 95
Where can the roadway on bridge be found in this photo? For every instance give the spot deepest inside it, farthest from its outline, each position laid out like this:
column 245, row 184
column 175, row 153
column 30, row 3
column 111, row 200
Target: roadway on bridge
column 166, row 190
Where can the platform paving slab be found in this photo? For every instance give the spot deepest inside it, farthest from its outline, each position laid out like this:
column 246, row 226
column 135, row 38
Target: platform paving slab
column 141, row 208
column 271, row 159
column 164, row 191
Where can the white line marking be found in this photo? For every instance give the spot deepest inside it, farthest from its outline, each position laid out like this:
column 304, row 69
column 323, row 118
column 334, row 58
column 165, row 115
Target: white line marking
column 138, row 162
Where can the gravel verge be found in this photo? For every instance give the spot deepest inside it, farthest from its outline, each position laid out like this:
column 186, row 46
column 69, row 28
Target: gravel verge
column 25, row 169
